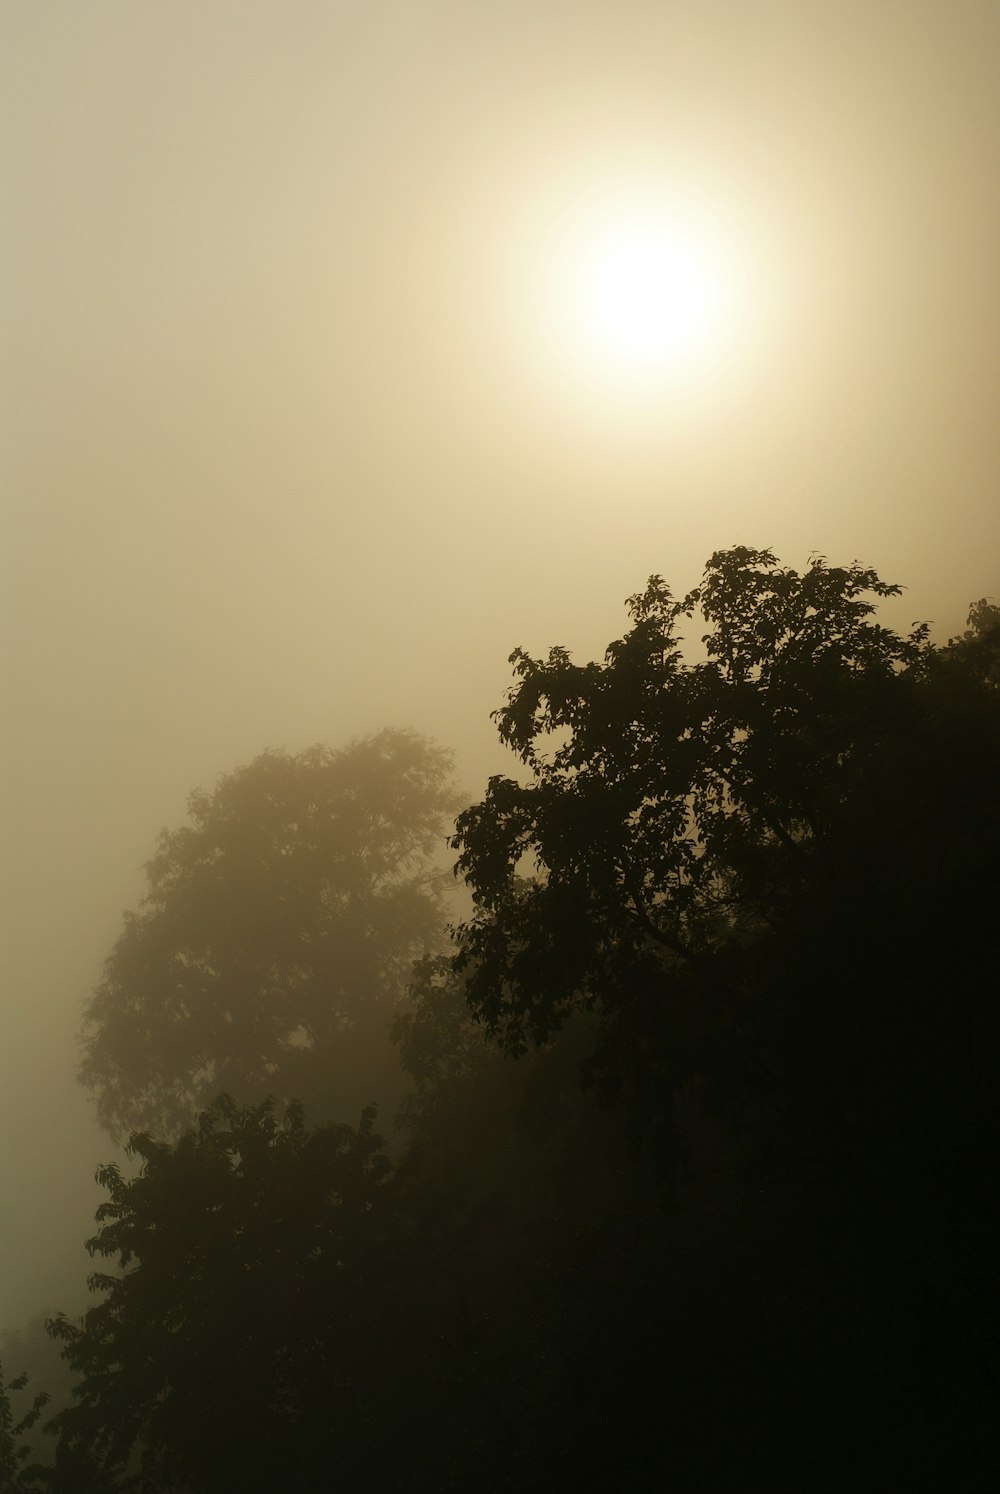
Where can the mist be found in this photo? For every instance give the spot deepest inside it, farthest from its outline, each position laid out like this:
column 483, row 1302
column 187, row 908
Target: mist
column 291, row 456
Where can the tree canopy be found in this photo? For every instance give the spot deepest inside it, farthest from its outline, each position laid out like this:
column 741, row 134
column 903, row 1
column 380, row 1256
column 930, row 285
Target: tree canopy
column 703, row 838
column 237, row 1310
column 765, row 869
column 745, row 886
column 276, row 936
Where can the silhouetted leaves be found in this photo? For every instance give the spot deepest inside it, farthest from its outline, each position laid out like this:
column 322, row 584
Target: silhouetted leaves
column 19, row 1474
column 699, row 1186
column 235, row 1336
column 699, row 828
column 769, row 877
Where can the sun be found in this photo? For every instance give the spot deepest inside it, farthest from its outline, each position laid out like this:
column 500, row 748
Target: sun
column 642, row 286
column 643, row 292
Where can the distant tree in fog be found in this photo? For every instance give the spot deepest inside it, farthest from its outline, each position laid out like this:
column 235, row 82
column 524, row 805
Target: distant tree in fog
column 276, row 937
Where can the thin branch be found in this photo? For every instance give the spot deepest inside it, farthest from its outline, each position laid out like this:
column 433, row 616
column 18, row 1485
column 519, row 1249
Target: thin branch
column 641, row 916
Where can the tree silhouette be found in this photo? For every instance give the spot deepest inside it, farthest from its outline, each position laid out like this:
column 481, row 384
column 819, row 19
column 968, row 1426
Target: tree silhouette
column 767, row 873
column 699, row 828
column 747, row 891
column 18, row 1474
column 236, row 1341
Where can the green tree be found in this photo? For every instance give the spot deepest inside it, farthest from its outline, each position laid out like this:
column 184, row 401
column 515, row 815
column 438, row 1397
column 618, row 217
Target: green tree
column 236, row 1346
column 275, row 938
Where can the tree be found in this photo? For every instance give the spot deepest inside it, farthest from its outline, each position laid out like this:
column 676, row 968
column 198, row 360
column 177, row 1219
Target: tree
column 768, row 874
column 977, row 650
column 533, row 1234
column 275, row 938
column 18, row 1475
column 234, row 1348
column 716, row 838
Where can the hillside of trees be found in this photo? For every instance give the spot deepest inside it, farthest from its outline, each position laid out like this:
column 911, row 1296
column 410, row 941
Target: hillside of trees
column 672, row 1163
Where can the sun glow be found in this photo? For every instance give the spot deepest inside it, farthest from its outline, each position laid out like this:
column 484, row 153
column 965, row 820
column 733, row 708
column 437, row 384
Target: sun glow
column 644, row 288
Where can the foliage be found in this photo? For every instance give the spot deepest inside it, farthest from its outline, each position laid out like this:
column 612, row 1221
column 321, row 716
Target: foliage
column 18, row 1475
column 275, row 937
column 977, row 650
column 441, row 1048
column 683, row 804
column 230, row 1347
column 767, row 876
column 521, row 1211
column 32, row 1349
column 750, row 892
column 673, row 779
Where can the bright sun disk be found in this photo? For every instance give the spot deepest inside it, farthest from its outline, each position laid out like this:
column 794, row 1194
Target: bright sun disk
column 642, row 286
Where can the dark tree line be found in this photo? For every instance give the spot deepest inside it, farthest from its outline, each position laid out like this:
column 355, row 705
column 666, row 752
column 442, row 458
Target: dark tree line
column 695, row 1182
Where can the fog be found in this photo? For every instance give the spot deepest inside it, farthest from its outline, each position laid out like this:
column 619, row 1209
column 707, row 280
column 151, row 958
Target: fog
column 289, row 454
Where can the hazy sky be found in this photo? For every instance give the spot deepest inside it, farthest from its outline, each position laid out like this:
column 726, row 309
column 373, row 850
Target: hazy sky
column 295, row 446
